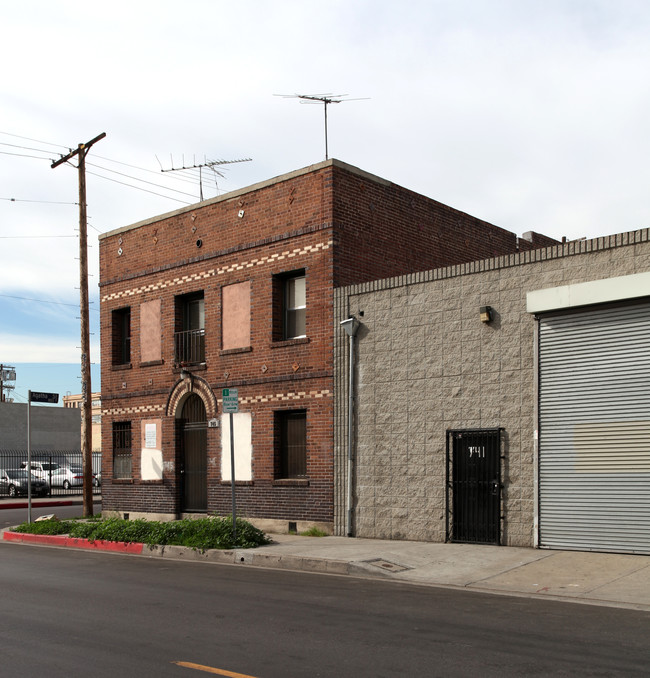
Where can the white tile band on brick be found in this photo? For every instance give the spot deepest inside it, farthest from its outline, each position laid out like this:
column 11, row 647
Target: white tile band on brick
column 119, row 411
column 284, row 397
column 254, row 400
column 309, row 249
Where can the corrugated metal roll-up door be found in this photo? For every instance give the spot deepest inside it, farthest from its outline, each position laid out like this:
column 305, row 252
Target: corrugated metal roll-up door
column 594, row 428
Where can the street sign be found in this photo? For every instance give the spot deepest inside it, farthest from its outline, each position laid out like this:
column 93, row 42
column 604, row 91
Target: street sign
column 230, row 400
column 40, row 397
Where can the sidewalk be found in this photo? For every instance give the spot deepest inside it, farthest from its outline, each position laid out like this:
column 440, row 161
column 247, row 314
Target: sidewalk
column 595, row 578
column 598, row 578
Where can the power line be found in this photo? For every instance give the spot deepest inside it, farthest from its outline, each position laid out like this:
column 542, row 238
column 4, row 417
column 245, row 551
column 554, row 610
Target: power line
column 24, row 148
column 123, row 183
column 44, row 301
column 38, row 141
column 24, row 155
column 24, row 237
column 45, row 202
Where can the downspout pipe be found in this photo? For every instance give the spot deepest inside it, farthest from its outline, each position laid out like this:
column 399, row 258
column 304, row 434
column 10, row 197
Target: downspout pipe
column 351, row 325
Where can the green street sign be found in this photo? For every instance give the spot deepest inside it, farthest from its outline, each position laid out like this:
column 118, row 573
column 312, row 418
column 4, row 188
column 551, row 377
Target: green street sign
column 230, row 400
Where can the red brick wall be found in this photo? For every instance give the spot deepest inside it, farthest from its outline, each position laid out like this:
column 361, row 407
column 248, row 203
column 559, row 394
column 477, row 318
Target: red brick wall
column 384, row 230
column 284, row 227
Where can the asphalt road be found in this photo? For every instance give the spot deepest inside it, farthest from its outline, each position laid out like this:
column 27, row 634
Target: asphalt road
column 72, row 613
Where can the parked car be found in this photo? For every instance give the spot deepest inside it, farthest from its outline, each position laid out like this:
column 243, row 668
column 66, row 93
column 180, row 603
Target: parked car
column 14, row 482
column 67, row 477
column 41, row 469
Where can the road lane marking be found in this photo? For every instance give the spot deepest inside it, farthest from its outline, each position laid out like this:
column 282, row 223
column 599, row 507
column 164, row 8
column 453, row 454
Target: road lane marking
column 211, row 669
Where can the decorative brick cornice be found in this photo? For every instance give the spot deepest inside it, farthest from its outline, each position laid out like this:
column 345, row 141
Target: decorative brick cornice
column 139, row 409
column 213, row 272
column 202, row 389
column 284, row 397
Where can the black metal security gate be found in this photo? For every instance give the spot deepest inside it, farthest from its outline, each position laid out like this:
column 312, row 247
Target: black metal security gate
column 474, row 486
column 194, row 457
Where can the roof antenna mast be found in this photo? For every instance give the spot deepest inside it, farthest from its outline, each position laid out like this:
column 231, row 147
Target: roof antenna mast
column 209, row 164
column 324, row 99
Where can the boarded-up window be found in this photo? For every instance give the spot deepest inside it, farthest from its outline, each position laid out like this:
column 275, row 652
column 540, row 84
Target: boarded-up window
column 236, row 316
column 151, row 459
column 150, row 332
column 242, row 429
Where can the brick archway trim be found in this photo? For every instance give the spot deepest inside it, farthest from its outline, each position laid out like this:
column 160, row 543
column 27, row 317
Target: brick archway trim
column 183, row 388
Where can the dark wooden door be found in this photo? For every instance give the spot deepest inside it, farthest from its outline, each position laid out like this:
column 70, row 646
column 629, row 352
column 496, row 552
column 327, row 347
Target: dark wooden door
column 194, row 457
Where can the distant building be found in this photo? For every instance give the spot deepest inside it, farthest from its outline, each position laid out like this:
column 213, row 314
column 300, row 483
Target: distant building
column 74, row 401
column 52, row 428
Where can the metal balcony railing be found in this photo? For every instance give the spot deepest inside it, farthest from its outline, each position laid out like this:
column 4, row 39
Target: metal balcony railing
column 189, row 347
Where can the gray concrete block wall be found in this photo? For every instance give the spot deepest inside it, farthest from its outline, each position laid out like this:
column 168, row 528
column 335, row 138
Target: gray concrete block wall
column 52, row 428
column 426, row 364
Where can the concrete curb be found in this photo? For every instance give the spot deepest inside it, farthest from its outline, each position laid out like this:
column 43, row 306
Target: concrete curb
column 228, row 557
column 63, row 540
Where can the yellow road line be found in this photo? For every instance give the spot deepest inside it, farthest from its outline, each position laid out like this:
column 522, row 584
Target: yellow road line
column 210, row 669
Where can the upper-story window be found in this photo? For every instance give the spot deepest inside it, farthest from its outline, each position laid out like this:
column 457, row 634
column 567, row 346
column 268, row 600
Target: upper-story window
column 189, row 337
column 290, row 306
column 295, row 307
column 121, row 336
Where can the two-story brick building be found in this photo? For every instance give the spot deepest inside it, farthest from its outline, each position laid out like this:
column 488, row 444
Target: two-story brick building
column 237, row 292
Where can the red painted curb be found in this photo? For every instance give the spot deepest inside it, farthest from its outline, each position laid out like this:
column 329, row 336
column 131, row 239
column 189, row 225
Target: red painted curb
column 64, row 540
column 47, row 504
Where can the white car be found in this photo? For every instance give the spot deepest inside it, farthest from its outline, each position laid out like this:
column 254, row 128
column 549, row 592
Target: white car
column 67, row 477
column 42, row 469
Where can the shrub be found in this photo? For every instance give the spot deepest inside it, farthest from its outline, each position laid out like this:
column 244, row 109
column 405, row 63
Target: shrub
column 204, row 533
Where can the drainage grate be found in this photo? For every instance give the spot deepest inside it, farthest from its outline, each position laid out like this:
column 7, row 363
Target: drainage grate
column 387, row 565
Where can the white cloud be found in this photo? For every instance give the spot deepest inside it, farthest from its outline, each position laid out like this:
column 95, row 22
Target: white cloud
column 37, row 348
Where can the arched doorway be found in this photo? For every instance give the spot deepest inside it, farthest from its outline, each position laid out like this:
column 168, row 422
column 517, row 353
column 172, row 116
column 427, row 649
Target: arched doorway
column 193, row 455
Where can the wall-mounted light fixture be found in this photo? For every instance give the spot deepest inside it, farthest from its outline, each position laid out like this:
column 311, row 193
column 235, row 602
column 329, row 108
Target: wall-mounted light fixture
column 487, row 314
column 186, row 374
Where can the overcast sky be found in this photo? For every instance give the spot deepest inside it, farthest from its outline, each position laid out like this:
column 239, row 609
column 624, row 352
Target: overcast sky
column 532, row 115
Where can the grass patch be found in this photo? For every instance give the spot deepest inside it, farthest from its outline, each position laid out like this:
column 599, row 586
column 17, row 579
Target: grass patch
column 200, row 534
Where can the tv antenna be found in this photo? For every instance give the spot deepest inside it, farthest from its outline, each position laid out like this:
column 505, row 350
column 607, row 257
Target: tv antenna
column 324, row 99
column 211, row 165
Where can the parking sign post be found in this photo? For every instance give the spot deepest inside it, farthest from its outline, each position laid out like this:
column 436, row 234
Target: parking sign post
column 230, row 402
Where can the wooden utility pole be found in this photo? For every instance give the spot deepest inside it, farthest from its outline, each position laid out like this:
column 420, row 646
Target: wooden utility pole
column 86, row 388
